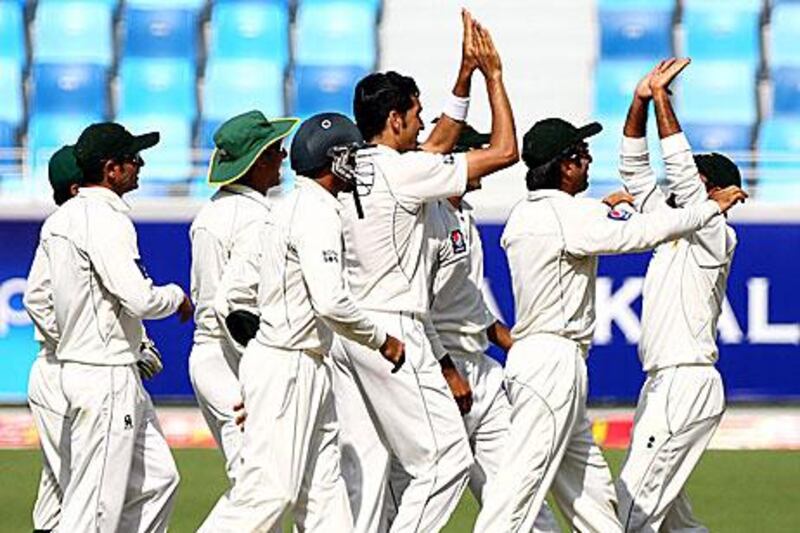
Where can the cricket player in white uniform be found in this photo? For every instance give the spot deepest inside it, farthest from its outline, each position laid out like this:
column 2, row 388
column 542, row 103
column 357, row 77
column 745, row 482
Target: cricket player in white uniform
column 46, row 399
column 463, row 326
column 410, row 415
column 290, row 454
column 552, row 240
column 227, row 227
column 121, row 473
column 682, row 400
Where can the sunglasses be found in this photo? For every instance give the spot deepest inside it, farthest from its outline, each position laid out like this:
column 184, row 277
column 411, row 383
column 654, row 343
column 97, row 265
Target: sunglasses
column 134, row 159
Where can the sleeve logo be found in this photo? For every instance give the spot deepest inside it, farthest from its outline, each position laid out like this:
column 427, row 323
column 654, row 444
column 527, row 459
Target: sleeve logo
column 616, row 214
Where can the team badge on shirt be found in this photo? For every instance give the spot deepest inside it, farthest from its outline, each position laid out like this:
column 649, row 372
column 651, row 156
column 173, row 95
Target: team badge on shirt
column 458, row 242
column 616, row 214
column 330, row 256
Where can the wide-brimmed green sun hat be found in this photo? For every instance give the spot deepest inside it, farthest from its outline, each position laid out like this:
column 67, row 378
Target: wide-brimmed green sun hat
column 240, row 141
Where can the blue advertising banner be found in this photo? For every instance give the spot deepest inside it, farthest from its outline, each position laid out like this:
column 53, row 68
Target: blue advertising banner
column 759, row 329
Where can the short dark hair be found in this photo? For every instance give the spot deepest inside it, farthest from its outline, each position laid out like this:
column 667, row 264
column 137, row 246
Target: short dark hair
column 92, row 170
column 547, row 176
column 376, row 95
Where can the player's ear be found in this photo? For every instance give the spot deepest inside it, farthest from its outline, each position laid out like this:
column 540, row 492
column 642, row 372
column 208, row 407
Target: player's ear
column 109, row 168
column 395, row 121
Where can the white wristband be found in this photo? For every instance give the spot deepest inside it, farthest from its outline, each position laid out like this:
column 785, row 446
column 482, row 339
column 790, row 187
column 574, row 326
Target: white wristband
column 457, row 107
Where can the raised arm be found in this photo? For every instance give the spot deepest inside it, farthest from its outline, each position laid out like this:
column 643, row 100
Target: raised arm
column 590, row 230
column 683, row 180
column 634, row 164
column 502, row 151
column 710, row 243
column 447, row 129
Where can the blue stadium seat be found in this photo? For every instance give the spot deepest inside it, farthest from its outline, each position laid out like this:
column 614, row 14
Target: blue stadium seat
column 779, row 160
column 207, row 129
column 170, row 161
column 784, row 43
column 67, row 88
column 161, row 33
column 318, row 89
column 283, row 3
column 46, row 134
column 158, row 86
column 722, row 29
column 786, row 82
column 12, row 108
column 635, row 34
column 233, row 87
column 250, row 30
column 719, row 137
column 636, row 4
column 614, row 84
column 8, row 135
column 73, row 32
column 12, row 28
column 110, row 3
column 336, row 33
column 173, row 4
column 11, row 182
column 718, row 92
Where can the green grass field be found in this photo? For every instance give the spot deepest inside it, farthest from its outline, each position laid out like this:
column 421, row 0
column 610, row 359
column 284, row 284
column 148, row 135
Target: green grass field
column 732, row 491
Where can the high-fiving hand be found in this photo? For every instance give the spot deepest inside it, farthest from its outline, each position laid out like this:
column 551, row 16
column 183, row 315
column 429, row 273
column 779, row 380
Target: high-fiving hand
column 661, row 77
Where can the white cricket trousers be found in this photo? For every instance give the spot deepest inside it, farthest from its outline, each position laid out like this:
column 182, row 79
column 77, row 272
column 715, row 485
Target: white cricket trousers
column 550, row 445
column 290, row 453
column 49, row 410
column 217, row 390
column 122, row 474
column 487, row 426
column 679, row 409
column 410, row 415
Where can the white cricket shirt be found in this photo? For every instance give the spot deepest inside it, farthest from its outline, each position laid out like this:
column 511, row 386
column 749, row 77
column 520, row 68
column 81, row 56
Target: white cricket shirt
column 225, row 227
column 98, row 289
column 552, row 241
column 686, row 279
column 385, row 251
column 301, row 294
column 458, row 310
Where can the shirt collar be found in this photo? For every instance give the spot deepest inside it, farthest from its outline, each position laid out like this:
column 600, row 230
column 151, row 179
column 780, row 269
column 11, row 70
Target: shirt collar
column 106, row 195
column 314, row 188
column 548, row 193
column 244, row 190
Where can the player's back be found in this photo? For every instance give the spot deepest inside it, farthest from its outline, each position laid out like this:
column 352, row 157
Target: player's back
column 93, row 325
column 384, row 251
column 232, row 217
column 288, row 318
column 553, row 290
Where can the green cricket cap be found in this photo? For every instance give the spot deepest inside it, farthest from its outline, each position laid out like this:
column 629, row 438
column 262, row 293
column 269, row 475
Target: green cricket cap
column 551, row 137
column 63, row 172
column 241, row 140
